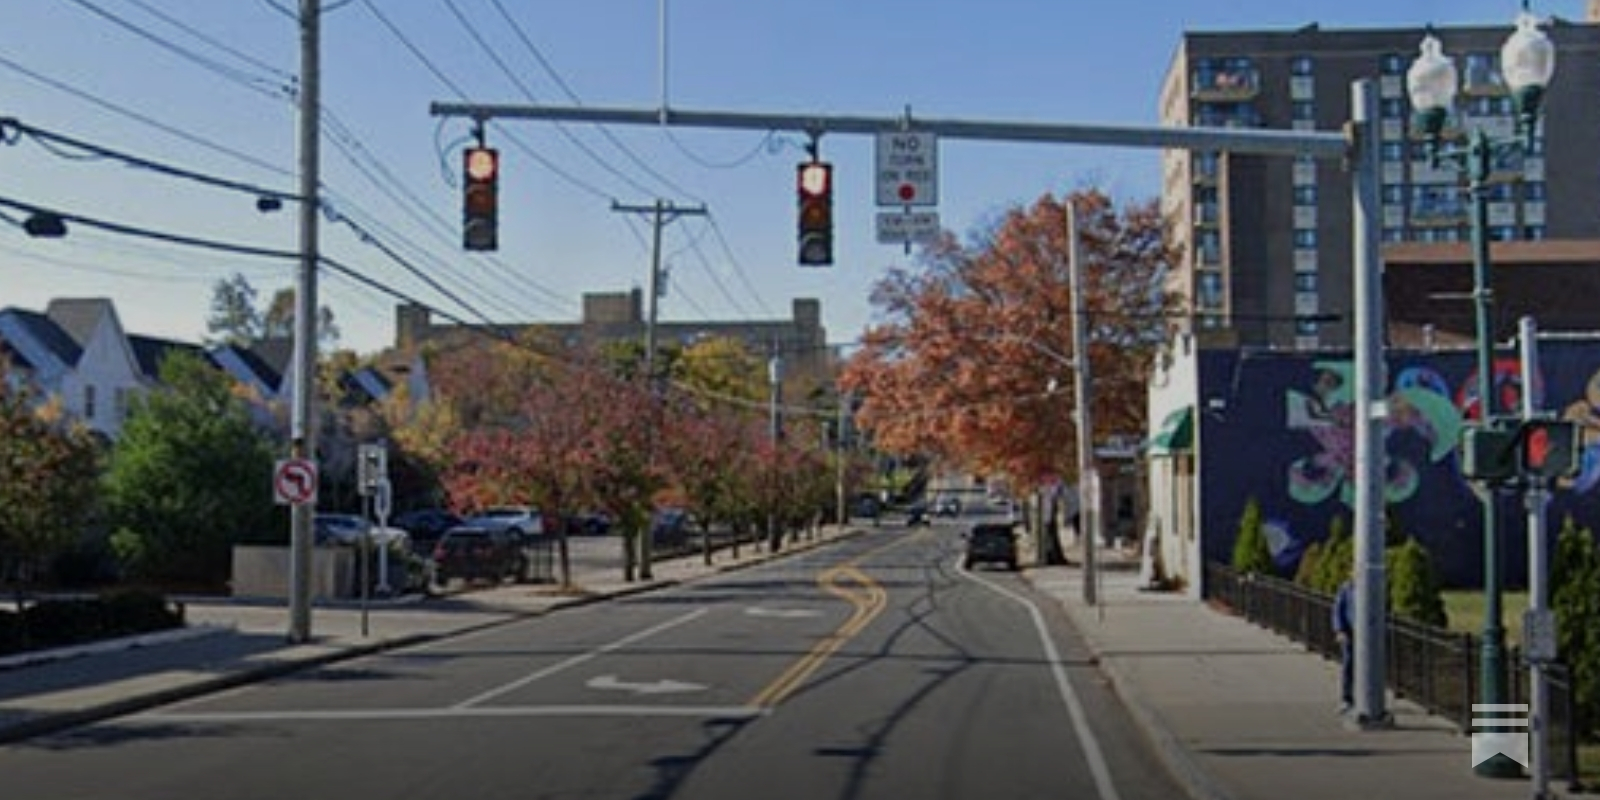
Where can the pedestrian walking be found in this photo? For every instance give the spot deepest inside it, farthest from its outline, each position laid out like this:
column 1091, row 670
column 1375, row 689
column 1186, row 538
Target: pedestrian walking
column 1344, row 628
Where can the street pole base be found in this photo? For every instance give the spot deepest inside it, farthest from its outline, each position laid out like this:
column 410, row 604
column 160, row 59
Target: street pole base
column 1498, row 766
column 1370, row 722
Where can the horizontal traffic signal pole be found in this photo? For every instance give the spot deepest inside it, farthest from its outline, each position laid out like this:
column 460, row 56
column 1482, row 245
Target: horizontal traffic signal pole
column 1318, row 144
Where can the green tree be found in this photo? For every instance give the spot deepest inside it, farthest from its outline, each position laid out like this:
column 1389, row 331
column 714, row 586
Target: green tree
column 1305, row 573
column 1414, row 584
column 1250, row 551
column 234, row 319
column 188, row 478
column 48, row 469
column 1575, row 599
column 1337, row 560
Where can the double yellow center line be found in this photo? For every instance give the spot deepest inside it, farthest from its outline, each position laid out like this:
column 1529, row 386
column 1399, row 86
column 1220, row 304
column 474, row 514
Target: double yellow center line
column 867, row 599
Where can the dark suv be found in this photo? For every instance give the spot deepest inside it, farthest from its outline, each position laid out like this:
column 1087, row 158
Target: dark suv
column 991, row 543
column 479, row 553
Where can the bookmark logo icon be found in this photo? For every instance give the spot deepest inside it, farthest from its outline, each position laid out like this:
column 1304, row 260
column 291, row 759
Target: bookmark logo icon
column 1492, row 736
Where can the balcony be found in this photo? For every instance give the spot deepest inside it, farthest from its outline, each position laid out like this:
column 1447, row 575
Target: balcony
column 1225, row 85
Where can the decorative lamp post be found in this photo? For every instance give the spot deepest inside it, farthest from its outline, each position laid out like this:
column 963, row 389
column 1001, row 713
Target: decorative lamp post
column 1527, row 61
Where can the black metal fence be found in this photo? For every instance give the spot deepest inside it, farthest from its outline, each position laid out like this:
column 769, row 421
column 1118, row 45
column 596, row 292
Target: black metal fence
column 1435, row 668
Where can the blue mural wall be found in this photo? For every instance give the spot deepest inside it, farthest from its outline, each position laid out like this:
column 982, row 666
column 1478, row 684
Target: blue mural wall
column 1278, row 427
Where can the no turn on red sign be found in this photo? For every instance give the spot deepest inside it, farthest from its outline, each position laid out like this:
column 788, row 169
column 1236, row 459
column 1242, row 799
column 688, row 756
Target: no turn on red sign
column 294, row 481
column 908, row 169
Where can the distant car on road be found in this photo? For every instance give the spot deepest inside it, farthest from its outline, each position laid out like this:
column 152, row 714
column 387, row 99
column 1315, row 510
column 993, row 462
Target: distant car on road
column 991, row 543
column 669, row 527
column 947, row 505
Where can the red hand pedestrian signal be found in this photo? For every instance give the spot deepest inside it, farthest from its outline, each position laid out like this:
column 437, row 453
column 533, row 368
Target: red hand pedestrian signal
column 1549, row 448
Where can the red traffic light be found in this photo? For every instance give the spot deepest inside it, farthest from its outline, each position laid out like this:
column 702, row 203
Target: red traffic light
column 482, row 163
column 480, row 199
column 814, row 180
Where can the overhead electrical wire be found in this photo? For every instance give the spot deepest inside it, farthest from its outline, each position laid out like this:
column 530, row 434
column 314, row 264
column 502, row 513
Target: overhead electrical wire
column 245, row 79
column 337, row 128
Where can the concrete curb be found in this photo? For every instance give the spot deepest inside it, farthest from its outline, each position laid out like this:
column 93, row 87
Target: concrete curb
column 1197, row 783
column 45, row 724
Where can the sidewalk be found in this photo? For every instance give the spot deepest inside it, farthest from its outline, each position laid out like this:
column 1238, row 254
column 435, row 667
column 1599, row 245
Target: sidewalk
column 233, row 642
column 1239, row 712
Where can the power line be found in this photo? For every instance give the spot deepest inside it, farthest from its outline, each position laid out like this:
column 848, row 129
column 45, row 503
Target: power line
column 245, row 79
column 439, row 75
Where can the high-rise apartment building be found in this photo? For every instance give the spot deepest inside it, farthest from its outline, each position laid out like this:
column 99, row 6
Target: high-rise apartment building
column 1267, row 240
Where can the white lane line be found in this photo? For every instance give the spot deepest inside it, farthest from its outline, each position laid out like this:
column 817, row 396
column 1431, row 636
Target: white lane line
column 580, row 658
column 1080, row 720
column 382, row 714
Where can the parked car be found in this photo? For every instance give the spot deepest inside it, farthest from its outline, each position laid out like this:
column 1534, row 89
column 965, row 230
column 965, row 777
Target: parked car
column 991, row 543
column 517, row 520
column 669, row 527
column 425, row 524
column 472, row 552
column 947, row 505
column 338, row 529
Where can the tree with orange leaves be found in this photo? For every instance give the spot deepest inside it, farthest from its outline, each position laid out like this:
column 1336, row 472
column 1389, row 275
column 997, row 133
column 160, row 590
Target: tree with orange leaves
column 972, row 365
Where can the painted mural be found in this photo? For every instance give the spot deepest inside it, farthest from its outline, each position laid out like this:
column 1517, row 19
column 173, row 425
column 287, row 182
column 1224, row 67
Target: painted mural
column 1279, row 427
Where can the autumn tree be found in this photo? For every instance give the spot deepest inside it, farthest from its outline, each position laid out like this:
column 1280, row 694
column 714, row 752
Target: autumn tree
column 972, row 362
column 48, row 469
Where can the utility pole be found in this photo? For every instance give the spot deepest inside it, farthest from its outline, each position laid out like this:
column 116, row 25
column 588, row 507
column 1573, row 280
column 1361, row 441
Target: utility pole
column 775, row 431
column 661, row 213
column 1088, row 477
column 303, row 422
column 1537, row 500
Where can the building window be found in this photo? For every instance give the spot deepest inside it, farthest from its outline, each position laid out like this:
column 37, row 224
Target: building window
column 1393, row 64
column 1392, row 108
column 1305, row 195
column 1305, row 239
column 1305, row 282
column 1393, row 151
column 1436, row 204
column 1533, row 233
column 1305, row 326
column 1210, row 290
column 1304, row 111
column 1393, row 193
column 1502, row 233
column 1394, row 234
column 88, row 402
column 1482, row 73
column 1533, row 191
column 1499, row 192
column 1300, row 65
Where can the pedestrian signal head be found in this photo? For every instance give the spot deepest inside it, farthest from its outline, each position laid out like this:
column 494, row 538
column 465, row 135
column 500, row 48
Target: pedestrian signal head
column 815, row 184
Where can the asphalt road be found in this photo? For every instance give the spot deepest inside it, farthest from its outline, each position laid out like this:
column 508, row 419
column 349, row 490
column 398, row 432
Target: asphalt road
column 874, row 668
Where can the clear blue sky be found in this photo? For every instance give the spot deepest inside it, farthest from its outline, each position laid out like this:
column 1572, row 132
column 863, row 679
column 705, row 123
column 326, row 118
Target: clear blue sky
column 202, row 84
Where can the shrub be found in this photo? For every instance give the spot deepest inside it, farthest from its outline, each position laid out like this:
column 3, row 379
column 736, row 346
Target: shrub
column 1575, row 598
column 1413, row 584
column 1337, row 560
column 1306, row 573
column 1250, row 551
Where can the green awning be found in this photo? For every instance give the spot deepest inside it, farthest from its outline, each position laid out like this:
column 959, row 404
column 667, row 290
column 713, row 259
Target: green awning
column 1175, row 434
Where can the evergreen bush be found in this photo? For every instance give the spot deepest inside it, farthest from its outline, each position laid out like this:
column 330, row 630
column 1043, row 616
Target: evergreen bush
column 1251, row 555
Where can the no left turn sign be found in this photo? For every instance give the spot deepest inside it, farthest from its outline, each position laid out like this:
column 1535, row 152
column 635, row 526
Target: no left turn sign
column 294, row 481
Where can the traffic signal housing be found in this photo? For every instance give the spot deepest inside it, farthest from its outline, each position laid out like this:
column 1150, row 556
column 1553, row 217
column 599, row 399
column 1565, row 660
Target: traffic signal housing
column 1549, row 448
column 814, row 181
column 480, row 199
column 1489, row 452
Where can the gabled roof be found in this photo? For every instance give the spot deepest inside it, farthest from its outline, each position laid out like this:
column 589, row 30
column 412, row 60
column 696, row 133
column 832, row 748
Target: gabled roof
column 255, row 363
column 149, row 352
column 47, row 334
column 78, row 317
column 276, row 354
column 14, row 357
